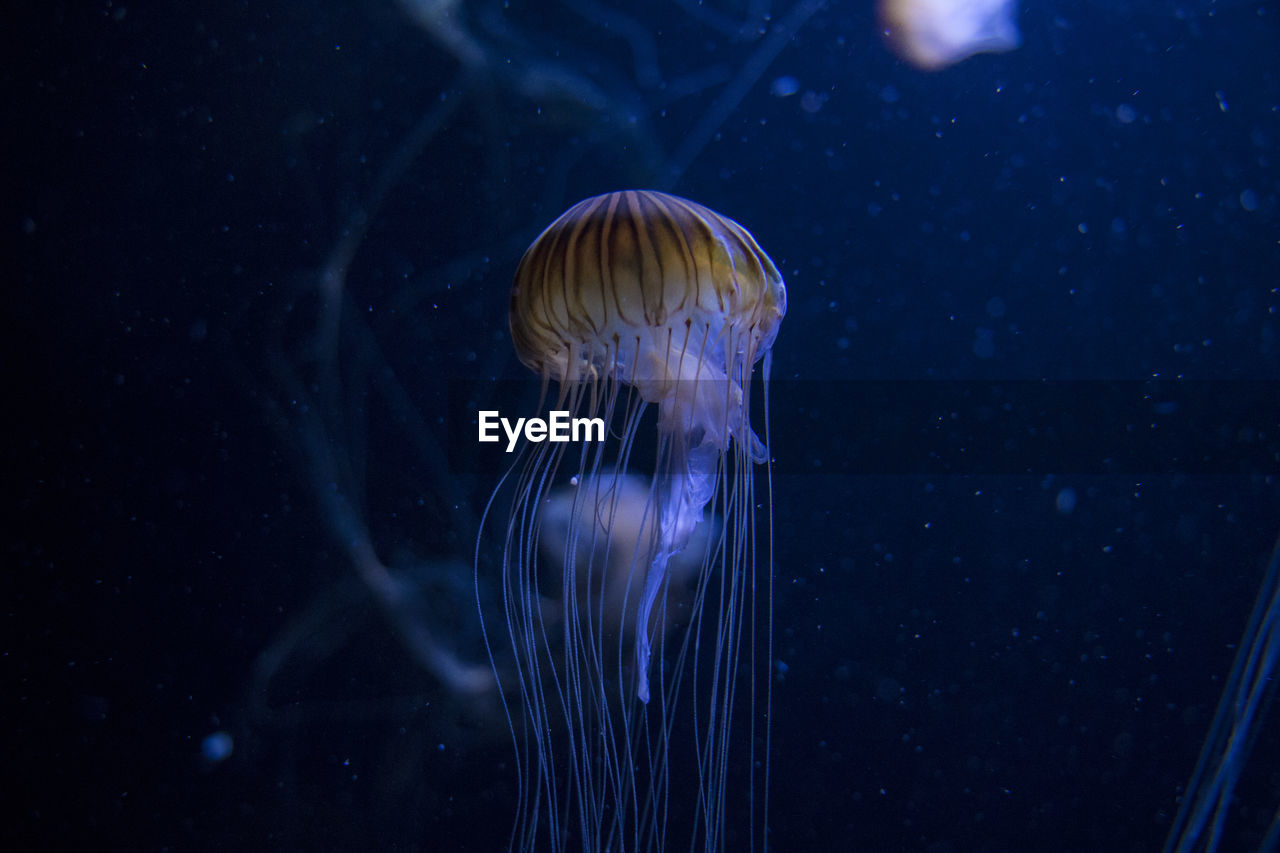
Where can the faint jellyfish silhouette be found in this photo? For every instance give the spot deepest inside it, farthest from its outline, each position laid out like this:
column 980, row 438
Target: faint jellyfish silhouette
column 601, row 522
column 932, row 34
column 443, row 20
column 627, row 299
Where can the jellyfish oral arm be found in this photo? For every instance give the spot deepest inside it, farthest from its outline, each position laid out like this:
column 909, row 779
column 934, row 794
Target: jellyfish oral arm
column 684, row 494
column 696, row 395
column 701, row 410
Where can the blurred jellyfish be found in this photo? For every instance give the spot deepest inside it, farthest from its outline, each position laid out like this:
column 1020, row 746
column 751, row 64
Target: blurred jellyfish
column 627, row 299
column 932, row 34
column 602, row 523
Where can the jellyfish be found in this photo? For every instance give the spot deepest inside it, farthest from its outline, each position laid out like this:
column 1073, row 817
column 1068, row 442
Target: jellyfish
column 631, row 605
column 932, row 34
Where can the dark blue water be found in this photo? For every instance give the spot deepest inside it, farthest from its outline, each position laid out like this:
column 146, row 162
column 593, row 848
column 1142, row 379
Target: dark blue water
column 970, row 654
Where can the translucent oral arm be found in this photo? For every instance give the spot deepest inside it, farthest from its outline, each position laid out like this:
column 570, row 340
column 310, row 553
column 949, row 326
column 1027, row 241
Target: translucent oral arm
column 684, row 495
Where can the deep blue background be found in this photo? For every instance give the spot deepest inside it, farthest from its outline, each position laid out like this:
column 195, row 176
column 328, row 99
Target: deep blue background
column 966, row 667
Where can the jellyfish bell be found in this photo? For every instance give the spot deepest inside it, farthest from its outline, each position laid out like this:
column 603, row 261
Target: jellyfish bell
column 652, row 290
column 630, row 300
column 933, row 34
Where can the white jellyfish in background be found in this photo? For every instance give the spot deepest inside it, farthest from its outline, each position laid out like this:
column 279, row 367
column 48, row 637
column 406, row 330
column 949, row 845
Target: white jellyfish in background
column 932, row 34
